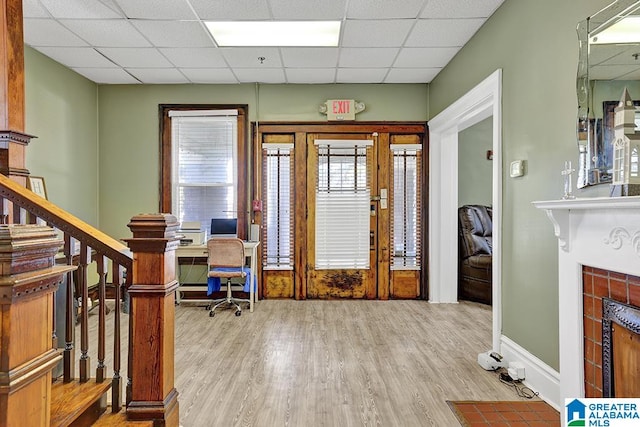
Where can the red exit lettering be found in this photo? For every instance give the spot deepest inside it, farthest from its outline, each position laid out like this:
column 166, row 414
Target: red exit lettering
column 341, row 107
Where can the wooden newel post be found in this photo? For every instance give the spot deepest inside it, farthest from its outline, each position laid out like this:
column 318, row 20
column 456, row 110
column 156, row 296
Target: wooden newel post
column 153, row 395
column 28, row 279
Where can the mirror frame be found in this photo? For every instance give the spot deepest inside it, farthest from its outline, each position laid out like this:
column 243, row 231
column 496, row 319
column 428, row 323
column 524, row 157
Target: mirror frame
column 588, row 130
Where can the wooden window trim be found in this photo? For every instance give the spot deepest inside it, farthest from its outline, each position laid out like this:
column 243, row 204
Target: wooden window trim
column 166, row 157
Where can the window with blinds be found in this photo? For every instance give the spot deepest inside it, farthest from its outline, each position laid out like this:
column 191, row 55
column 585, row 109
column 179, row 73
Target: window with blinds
column 277, row 187
column 342, row 204
column 204, row 169
column 405, row 205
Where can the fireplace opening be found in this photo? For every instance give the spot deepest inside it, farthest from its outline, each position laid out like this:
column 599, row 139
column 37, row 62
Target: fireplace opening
column 620, row 349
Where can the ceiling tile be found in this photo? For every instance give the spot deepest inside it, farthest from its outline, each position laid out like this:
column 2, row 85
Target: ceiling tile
column 425, row 57
column 77, row 57
column 320, row 57
column 367, row 57
column 443, row 32
column 247, row 57
column 380, row 9
column 107, row 75
column 209, row 75
column 201, row 57
column 359, row 75
column 136, row 57
column 460, row 8
column 158, row 75
column 34, row 9
column 47, row 32
column 310, row 9
column 365, row 33
column 175, row 33
column 92, row 9
column 260, row 75
column 231, row 10
column 107, row 33
column 157, row 9
column 411, row 75
column 310, row 75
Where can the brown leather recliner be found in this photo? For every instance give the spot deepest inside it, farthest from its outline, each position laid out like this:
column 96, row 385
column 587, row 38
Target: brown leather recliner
column 475, row 253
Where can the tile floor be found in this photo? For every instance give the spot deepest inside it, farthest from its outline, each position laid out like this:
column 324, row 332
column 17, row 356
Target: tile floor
column 505, row 414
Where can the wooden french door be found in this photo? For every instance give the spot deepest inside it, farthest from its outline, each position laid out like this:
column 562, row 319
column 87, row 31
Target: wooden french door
column 325, row 163
column 341, row 223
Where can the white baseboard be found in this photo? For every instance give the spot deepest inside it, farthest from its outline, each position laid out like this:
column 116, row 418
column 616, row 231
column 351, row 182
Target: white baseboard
column 539, row 376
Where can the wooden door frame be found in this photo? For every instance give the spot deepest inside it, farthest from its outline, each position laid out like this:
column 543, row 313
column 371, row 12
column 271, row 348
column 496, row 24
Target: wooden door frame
column 300, row 130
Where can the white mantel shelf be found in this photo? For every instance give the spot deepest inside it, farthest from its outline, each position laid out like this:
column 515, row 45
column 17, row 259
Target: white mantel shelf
column 601, row 232
column 592, row 203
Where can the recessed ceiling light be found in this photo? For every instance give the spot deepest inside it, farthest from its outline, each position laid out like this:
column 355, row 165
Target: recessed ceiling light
column 275, row 33
column 626, row 30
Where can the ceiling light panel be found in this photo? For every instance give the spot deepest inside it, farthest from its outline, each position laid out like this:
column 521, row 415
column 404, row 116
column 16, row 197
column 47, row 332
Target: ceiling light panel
column 626, row 30
column 275, row 33
column 157, row 9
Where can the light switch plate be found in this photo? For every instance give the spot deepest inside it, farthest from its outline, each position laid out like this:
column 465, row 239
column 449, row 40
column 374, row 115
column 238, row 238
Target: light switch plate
column 516, row 169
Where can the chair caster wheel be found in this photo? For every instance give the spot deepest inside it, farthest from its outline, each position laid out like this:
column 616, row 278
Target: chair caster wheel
column 238, row 313
column 211, row 314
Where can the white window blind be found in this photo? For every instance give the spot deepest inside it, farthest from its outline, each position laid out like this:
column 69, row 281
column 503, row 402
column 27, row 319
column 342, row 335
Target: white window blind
column 277, row 187
column 343, row 197
column 204, row 170
column 406, row 207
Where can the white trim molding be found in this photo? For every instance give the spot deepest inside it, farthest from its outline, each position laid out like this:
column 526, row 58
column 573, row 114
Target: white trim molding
column 481, row 102
column 539, row 376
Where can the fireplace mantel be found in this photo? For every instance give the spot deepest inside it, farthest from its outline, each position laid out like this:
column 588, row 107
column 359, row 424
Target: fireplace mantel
column 597, row 232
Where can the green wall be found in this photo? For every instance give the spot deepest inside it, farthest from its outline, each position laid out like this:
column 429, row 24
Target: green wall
column 535, row 44
column 475, row 177
column 61, row 111
column 129, row 138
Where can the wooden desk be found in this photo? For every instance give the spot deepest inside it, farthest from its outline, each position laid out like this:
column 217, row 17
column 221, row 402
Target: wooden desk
column 200, row 251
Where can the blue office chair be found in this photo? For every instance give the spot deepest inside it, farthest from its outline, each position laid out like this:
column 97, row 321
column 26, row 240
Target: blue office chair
column 226, row 260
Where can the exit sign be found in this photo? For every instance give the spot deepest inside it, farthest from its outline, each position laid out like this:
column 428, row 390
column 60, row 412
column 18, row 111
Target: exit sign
column 341, row 109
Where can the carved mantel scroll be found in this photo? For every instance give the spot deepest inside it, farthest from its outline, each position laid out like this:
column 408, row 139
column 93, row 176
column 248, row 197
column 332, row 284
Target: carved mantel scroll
column 618, row 236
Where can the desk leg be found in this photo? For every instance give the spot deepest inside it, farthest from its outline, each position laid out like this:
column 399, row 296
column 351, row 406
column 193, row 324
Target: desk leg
column 252, row 293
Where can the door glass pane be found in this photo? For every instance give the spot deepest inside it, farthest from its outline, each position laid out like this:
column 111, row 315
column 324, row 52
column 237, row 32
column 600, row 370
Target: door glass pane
column 405, row 205
column 342, row 207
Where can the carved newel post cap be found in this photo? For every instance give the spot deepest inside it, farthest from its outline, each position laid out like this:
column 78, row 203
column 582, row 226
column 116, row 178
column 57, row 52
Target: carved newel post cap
column 153, row 232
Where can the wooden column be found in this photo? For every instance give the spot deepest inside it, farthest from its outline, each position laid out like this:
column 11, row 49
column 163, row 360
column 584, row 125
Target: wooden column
column 13, row 140
column 28, row 279
column 153, row 395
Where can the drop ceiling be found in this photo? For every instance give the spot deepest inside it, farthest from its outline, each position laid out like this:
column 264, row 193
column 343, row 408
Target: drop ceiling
column 166, row 41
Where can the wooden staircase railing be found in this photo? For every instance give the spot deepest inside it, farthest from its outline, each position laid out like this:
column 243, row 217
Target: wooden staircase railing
column 25, row 209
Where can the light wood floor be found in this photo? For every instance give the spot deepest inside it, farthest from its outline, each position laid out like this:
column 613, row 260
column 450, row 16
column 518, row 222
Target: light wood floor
column 332, row 363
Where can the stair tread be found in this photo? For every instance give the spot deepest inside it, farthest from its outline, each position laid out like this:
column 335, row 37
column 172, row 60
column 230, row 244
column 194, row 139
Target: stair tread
column 120, row 419
column 70, row 400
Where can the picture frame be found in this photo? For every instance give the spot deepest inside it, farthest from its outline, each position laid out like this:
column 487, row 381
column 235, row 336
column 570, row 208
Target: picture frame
column 37, row 185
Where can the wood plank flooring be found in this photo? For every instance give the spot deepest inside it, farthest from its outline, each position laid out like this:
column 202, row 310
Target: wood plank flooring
column 331, row 363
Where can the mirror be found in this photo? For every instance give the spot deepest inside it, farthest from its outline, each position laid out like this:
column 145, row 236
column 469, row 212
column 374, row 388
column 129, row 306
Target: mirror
column 608, row 63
